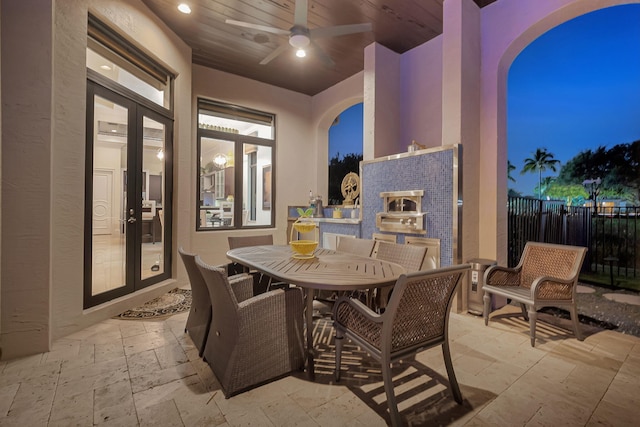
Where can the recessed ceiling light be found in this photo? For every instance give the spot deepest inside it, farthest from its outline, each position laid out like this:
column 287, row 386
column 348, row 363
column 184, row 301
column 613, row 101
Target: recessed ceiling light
column 184, row 8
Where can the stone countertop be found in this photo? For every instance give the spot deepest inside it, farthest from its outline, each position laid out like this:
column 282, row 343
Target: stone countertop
column 331, row 220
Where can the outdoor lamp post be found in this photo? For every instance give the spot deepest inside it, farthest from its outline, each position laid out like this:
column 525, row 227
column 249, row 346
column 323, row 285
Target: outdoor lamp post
column 593, row 188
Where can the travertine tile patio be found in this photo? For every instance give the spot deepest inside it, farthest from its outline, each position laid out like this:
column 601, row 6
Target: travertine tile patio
column 130, row 373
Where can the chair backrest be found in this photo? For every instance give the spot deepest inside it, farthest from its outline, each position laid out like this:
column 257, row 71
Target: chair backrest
column 419, row 307
column 432, row 259
column 361, row 247
column 224, row 316
column 381, row 237
column 546, row 259
column 410, row 257
column 199, row 291
column 244, row 241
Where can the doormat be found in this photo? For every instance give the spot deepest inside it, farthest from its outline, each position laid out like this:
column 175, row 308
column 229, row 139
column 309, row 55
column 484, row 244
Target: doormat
column 173, row 302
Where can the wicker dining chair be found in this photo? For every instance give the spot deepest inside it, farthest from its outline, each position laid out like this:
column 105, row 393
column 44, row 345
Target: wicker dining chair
column 252, row 340
column 411, row 257
column 199, row 319
column 262, row 283
column 546, row 276
column 356, row 246
column 416, row 318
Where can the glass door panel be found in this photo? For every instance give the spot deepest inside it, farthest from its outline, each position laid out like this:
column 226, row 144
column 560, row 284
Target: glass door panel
column 127, row 210
column 153, row 173
column 258, row 185
column 109, row 201
column 217, row 183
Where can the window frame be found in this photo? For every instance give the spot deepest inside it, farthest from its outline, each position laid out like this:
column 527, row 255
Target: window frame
column 240, row 141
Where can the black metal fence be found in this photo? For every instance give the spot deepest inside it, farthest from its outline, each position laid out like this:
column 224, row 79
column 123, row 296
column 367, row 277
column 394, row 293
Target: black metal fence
column 611, row 233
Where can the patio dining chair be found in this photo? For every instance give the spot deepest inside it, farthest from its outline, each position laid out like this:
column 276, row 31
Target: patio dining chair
column 546, row 276
column 252, row 340
column 411, row 257
column 416, row 318
column 199, row 319
column 261, row 282
column 356, row 246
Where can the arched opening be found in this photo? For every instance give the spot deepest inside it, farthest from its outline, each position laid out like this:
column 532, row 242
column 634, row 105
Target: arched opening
column 345, row 149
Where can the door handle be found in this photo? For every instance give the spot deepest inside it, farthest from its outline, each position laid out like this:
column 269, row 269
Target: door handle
column 131, row 218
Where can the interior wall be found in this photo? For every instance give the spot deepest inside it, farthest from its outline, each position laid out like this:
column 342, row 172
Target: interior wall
column 0, row 184
column 508, row 26
column 43, row 159
column 421, row 92
column 382, row 101
column 26, row 148
column 295, row 165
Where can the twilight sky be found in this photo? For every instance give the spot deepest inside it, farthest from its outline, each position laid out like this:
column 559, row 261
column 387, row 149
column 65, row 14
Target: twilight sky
column 574, row 88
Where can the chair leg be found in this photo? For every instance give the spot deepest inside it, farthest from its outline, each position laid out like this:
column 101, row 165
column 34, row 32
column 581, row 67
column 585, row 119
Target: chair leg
column 453, row 382
column 523, row 307
column 533, row 316
column 576, row 322
column 391, row 397
column 338, row 342
column 487, row 306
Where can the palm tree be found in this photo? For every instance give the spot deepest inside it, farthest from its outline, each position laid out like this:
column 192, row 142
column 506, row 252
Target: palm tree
column 510, row 168
column 541, row 161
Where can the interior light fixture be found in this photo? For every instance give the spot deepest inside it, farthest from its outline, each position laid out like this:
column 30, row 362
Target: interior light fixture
column 105, row 67
column 220, row 160
column 300, row 53
column 184, row 8
column 160, row 154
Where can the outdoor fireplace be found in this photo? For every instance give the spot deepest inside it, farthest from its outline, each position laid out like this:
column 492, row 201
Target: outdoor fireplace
column 402, row 212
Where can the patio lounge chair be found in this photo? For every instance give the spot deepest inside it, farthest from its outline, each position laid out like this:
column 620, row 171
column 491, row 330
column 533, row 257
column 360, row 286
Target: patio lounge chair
column 252, row 340
column 546, row 275
column 416, row 318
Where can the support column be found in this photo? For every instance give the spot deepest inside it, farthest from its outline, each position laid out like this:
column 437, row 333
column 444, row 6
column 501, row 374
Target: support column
column 461, row 115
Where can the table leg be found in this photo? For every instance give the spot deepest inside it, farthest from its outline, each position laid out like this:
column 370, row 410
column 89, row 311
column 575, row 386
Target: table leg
column 309, row 321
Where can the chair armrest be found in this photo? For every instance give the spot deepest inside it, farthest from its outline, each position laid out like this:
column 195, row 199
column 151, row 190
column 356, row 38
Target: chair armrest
column 242, row 285
column 359, row 307
column 265, row 313
column 502, row 276
column 552, row 288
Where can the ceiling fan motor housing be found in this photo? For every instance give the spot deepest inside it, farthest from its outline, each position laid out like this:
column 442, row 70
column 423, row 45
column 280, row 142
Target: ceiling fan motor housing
column 299, row 37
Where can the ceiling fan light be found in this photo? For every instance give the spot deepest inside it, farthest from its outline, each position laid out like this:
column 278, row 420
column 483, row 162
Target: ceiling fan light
column 300, row 53
column 299, row 41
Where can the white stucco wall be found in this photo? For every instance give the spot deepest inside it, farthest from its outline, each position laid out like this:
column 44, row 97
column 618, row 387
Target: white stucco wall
column 44, row 149
column 508, row 26
column 382, row 101
column 421, row 92
column 295, row 165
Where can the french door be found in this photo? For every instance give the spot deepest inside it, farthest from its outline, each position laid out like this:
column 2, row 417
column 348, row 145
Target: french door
column 128, row 196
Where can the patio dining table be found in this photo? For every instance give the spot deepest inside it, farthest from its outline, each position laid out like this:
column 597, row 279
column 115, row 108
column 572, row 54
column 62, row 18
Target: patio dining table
column 327, row 270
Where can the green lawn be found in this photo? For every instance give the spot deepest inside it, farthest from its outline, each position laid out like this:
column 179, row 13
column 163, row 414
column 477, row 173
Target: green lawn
column 603, row 278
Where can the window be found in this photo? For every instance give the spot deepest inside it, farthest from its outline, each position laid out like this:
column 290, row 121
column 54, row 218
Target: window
column 235, row 158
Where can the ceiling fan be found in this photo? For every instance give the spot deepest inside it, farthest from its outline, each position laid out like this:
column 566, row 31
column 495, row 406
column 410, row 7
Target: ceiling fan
column 300, row 36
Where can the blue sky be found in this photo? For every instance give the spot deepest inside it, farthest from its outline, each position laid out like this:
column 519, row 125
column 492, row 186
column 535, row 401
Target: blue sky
column 345, row 137
column 576, row 87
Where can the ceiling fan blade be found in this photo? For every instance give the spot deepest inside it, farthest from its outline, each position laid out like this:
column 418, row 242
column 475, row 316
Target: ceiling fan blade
column 277, row 51
column 300, row 14
column 322, row 55
column 339, row 30
column 257, row 27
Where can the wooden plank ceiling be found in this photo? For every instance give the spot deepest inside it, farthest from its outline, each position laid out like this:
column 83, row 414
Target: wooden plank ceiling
column 399, row 25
